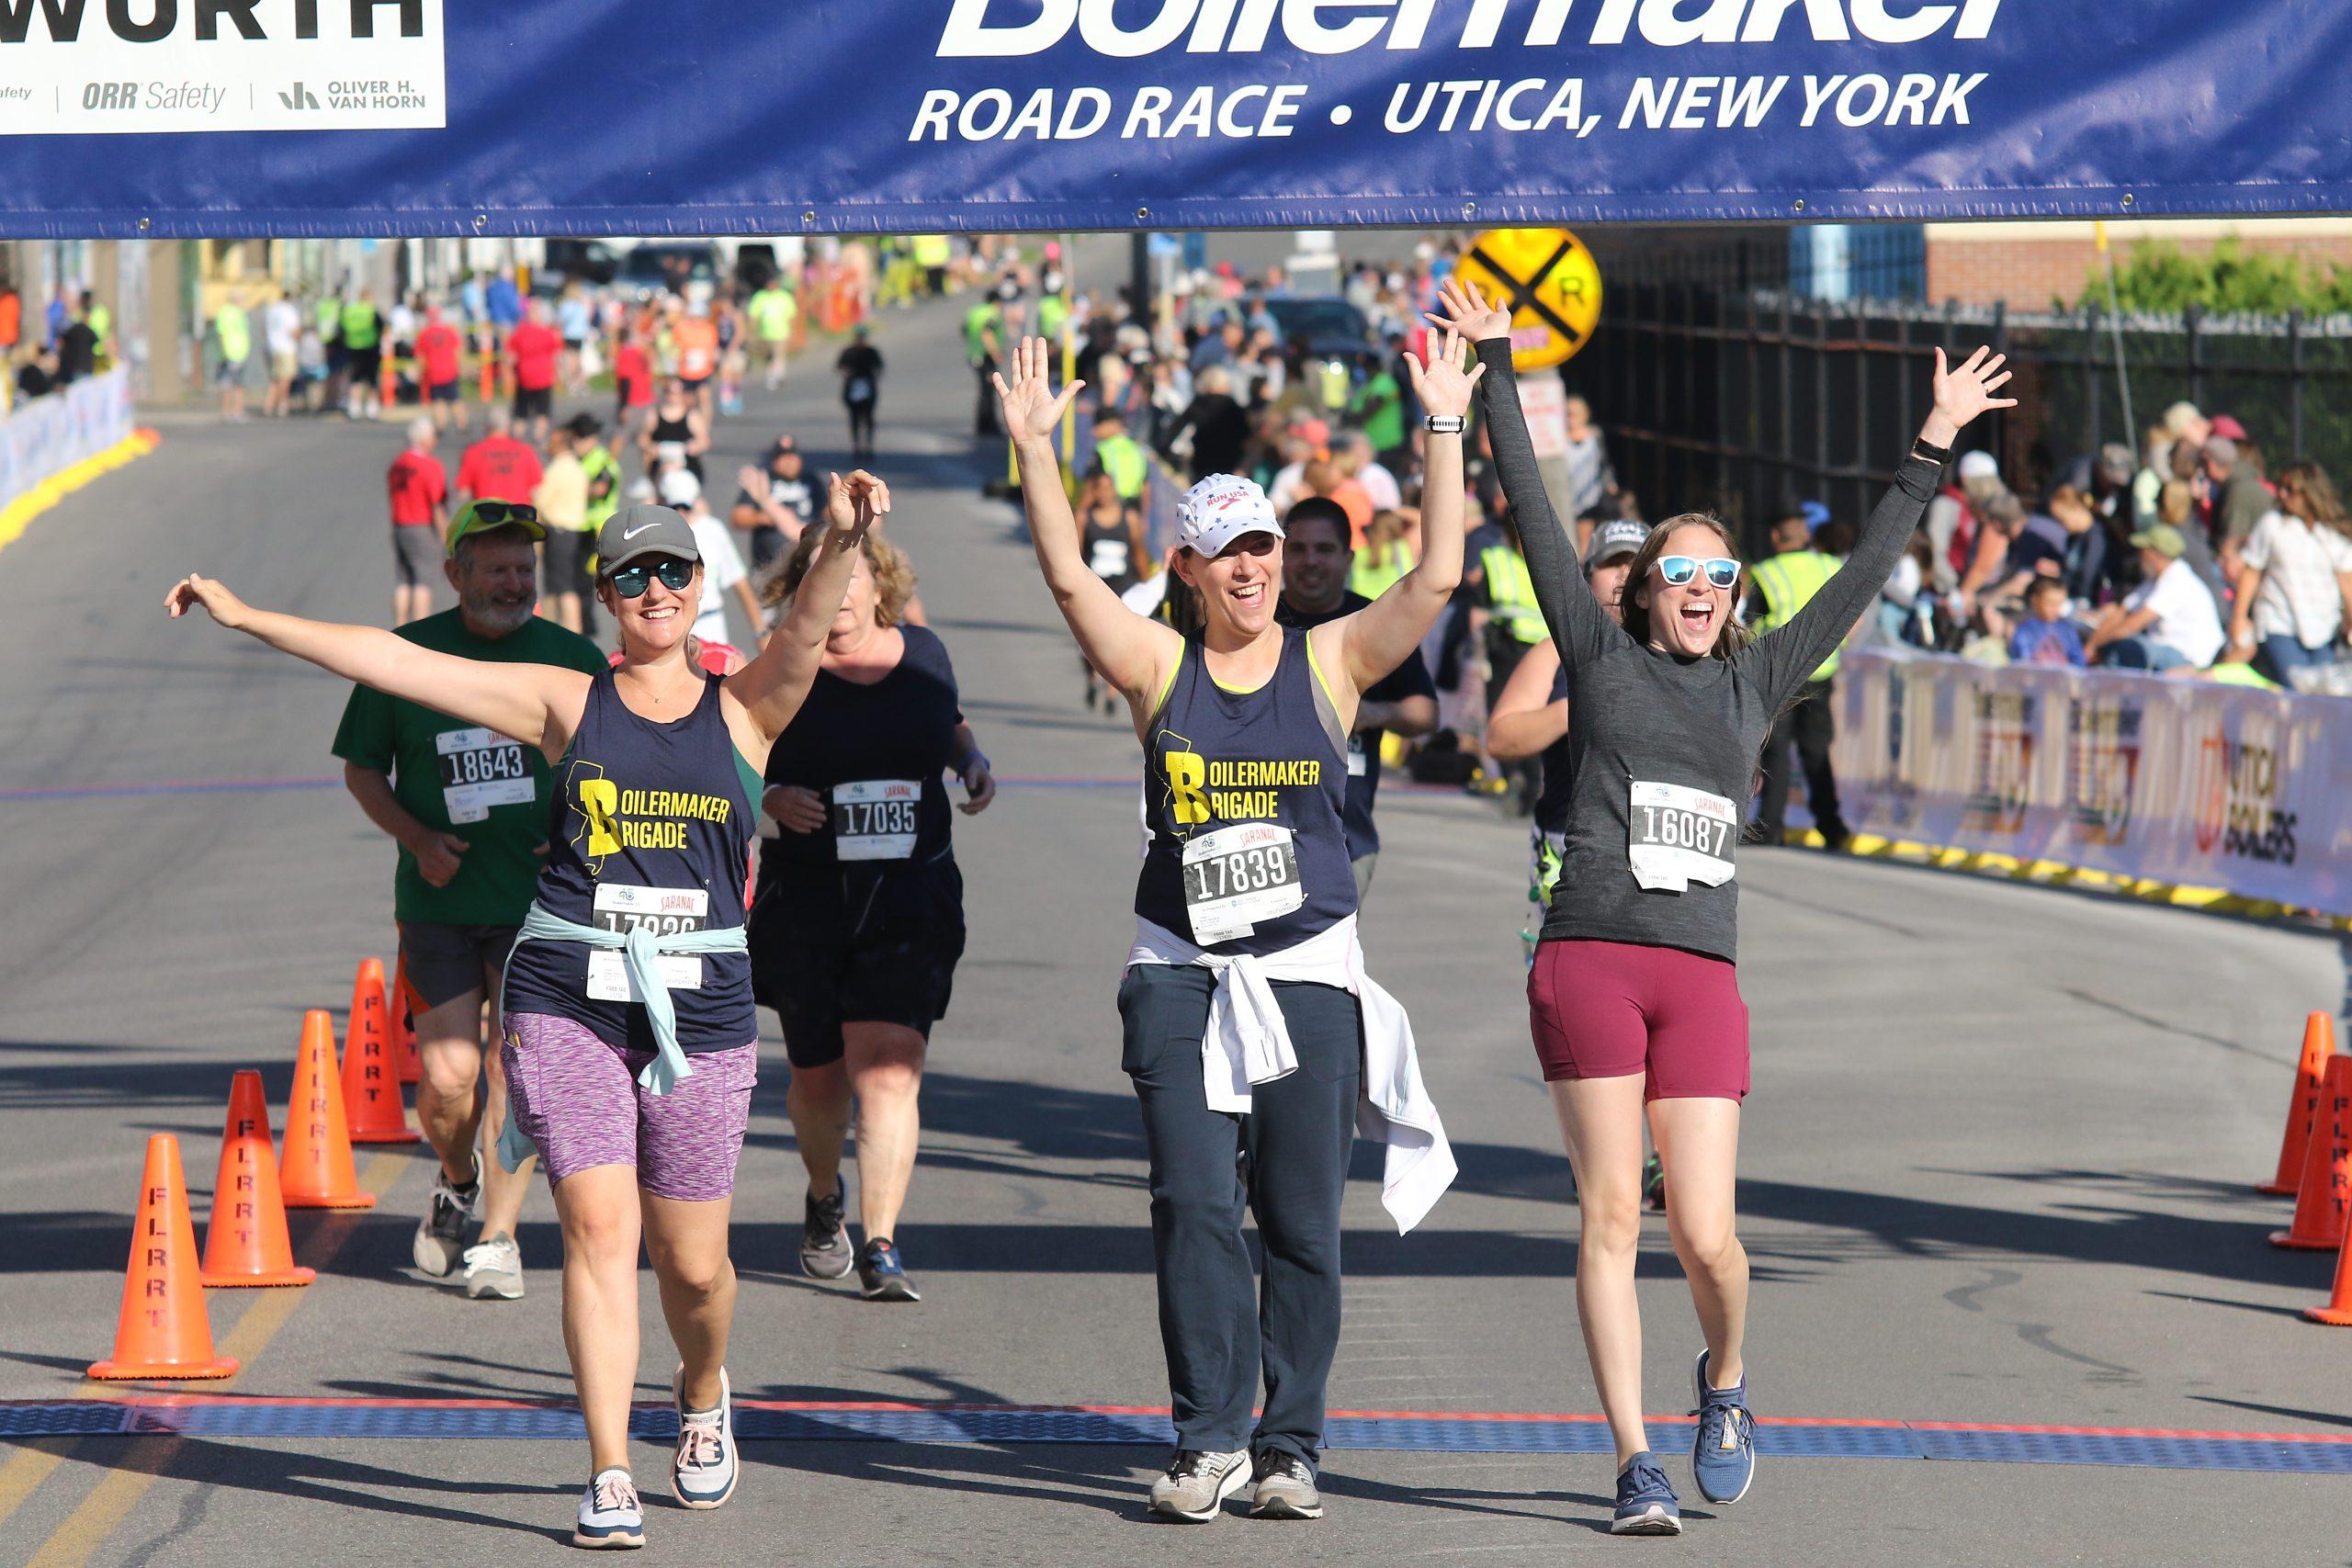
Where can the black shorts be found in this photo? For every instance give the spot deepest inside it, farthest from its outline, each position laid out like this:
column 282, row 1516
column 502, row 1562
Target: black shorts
column 444, row 391
column 567, row 553
column 417, row 556
column 855, row 947
column 365, row 363
column 445, row 962
column 535, row 402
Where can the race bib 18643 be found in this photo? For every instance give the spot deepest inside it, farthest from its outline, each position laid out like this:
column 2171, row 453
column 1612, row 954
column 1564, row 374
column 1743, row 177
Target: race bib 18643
column 480, row 769
column 1238, row 876
column 1676, row 836
column 665, row 911
column 876, row 818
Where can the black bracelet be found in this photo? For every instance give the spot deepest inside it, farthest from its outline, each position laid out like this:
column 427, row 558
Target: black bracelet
column 1921, row 447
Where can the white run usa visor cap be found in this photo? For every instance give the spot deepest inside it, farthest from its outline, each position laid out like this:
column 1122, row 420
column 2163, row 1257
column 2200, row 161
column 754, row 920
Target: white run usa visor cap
column 1220, row 510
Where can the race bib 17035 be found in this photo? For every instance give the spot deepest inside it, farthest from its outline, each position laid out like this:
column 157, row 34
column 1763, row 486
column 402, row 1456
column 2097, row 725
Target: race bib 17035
column 664, row 911
column 1238, row 876
column 480, row 769
column 1676, row 836
column 876, row 819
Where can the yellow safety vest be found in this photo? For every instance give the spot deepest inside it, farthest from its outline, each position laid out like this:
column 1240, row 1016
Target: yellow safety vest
column 1510, row 594
column 1788, row 584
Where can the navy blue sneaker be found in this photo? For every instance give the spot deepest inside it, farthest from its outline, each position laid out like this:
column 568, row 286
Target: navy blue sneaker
column 1646, row 1501
column 880, row 1276
column 1723, row 1450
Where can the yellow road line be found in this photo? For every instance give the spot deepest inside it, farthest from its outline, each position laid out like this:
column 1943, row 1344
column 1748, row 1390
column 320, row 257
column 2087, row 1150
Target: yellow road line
column 23, row 509
column 101, row 1513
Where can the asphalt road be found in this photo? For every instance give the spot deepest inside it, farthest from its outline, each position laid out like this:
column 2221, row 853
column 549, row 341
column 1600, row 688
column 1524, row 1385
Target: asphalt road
column 1996, row 1167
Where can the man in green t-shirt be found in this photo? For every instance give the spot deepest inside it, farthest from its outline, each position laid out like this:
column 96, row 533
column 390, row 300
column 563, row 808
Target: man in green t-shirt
column 469, row 808
column 1378, row 410
column 773, row 310
column 232, row 333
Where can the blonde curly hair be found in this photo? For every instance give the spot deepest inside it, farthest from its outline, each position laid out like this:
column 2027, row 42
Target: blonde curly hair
column 894, row 574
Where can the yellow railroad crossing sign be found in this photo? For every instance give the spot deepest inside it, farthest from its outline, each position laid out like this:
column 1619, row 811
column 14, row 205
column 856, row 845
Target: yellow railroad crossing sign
column 1548, row 282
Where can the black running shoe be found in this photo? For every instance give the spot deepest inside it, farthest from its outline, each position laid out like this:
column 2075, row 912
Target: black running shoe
column 881, row 1276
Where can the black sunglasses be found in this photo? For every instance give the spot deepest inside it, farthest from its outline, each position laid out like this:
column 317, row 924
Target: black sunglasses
column 631, row 580
column 498, row 514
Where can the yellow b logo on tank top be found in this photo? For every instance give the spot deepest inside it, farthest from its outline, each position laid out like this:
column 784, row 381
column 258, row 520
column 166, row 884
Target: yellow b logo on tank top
column 599, row 798
column 1186, row 775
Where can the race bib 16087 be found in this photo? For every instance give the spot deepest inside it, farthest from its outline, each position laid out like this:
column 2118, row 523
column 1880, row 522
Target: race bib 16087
column 1676, row 836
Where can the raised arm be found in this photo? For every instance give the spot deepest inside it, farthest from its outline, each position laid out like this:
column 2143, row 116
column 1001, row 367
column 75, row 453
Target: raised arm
column 772, row 687
column 1378, row 638
column 1133, row 652
column 1787, row 655
column 537, row 705
column 1579, row 625
column 1525, row 719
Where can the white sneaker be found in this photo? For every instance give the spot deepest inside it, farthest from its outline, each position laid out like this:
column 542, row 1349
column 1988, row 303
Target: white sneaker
column 441, row 1234
column 610, row 1514
column 494, row 1268
column 703, row 1473
column 1197, row 1483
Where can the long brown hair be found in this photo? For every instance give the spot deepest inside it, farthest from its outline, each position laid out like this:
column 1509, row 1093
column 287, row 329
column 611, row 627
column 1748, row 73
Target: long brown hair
column 1731, row 636
column 2322, row 506
column 894, row 574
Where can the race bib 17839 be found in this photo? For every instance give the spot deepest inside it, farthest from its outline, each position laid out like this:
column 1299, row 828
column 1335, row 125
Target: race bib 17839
column 1239, row 876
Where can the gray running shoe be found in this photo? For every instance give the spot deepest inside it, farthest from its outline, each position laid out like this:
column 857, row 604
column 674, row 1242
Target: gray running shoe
column 494, row 1268
column 1197, row 1483
column 1286, row 1488
column 441, row 1235
column 825, row 1251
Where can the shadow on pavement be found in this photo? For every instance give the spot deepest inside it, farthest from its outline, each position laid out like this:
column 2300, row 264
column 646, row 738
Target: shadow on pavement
column 319, row 1477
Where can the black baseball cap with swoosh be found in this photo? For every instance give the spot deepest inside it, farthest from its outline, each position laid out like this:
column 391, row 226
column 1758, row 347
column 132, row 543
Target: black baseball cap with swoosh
column 642, row 528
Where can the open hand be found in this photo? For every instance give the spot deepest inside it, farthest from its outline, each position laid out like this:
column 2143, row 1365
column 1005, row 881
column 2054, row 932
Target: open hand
column 1443, row 384
column 1464, row 308
column 1030, row 408
column 1964, row 393
column 192, row 591
column 797, row 810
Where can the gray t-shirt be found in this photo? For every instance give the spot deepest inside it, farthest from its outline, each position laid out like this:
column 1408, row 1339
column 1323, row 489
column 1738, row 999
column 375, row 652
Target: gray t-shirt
column 1663, row 749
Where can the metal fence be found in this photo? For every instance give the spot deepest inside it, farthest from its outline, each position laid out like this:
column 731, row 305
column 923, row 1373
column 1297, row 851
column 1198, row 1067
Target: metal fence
column 1733, row 399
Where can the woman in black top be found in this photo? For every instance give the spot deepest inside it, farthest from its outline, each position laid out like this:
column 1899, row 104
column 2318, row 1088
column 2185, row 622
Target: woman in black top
column 858, row 920
column 1633, row 1001
column 678, row 435
column 1111, row 536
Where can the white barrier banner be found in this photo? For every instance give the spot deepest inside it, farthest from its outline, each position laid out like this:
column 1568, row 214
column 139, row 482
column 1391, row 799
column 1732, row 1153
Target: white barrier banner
column 40, row 436
column 2175, row 781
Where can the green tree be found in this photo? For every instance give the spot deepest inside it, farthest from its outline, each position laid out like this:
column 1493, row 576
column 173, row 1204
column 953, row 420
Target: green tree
column 2158, row 275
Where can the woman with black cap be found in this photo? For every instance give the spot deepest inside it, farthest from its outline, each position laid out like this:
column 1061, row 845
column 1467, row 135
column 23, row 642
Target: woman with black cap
column 629, row 1033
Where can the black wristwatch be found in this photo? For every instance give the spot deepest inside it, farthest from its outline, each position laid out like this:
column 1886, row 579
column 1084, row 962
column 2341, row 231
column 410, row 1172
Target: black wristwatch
column 1921, row 447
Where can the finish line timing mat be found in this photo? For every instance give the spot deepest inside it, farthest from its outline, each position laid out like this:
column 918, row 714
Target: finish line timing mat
column 759, row 1420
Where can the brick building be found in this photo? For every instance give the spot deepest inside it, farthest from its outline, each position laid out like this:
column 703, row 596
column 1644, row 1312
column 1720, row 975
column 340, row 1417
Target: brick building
column 2033, row 264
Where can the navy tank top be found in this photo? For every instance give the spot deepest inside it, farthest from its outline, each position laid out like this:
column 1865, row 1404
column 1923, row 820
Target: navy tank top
column 651, row 825
column 1244, row 793
column 1559, row 771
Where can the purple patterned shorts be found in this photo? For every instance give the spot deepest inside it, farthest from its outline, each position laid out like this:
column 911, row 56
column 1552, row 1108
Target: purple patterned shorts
column 580, row 1100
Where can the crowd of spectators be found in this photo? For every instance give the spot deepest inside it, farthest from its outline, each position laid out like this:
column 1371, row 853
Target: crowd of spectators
column 2190, row 557
column 46, row 352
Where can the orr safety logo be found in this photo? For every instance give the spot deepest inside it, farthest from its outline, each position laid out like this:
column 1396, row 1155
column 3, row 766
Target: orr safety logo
column 1458, row 38
column 105, row 67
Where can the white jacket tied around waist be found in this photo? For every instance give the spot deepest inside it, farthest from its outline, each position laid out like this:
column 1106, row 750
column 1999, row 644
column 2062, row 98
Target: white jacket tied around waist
column 1248, row 1043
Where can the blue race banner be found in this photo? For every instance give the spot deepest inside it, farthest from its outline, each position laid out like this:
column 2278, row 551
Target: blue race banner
column 164, row 118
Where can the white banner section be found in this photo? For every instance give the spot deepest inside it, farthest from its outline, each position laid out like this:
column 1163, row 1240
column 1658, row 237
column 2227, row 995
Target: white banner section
column 2169, row 781
column 78, row 67
column 46, row 435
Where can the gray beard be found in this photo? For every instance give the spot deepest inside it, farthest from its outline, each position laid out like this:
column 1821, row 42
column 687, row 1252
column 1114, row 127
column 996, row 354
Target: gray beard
column 496, row 621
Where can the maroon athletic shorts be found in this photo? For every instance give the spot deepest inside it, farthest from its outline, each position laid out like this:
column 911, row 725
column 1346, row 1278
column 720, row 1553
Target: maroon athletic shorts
column 1609, row 1010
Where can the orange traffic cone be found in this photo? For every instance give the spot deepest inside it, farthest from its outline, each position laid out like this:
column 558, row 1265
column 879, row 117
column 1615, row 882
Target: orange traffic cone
column 2319, row 1045
column 161, row 1331
column 317, row 1171
column 371, row 1079
column 400, row 1010
column 2327, row 1166
column 245, row 1243
column 2339, row 1310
